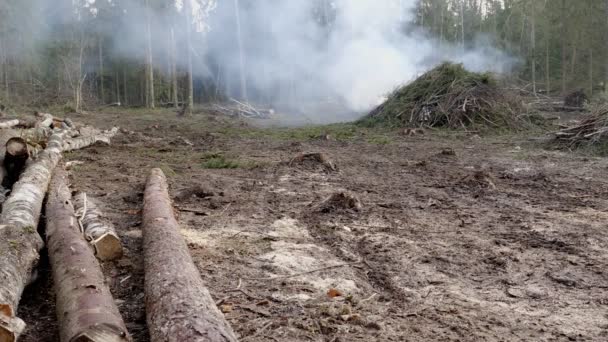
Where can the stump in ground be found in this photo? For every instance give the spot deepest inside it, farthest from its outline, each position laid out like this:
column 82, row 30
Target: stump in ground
column 314, row 159
column 178, row 305
column 85, row 307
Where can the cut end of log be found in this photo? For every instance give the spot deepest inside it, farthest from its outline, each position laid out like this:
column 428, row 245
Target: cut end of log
column 108, row 247
column 6, row 310
column 10, row 327
column 16, row 147
column 102, row 333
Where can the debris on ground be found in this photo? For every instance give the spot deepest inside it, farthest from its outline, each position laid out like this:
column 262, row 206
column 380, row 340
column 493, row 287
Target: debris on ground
column 313, row 160
column 577, row 98
column 591, row 131
column 339, row 201
column 449, row 96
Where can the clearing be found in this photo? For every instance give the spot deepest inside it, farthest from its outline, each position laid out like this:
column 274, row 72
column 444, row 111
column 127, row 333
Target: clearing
column 453, row 236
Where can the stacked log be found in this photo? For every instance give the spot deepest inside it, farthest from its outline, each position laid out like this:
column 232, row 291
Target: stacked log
column 85, row 307
column 20, row 242
column 178, row 305
column 19, row 239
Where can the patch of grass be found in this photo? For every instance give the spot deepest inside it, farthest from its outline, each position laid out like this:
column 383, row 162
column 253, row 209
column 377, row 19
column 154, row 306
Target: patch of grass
column 220, row 161
column 340, row 132
column 167, row 170
column 380, row 140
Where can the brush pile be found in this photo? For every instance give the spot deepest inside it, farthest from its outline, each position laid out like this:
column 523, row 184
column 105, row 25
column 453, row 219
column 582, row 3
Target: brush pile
column 449, row 96
column 593, row 130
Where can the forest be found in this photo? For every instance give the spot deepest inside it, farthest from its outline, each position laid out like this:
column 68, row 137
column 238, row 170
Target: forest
column 161, row 53
column 303, row 170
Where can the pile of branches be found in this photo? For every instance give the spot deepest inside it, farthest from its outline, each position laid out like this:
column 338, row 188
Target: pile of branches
column 449, row 96
column 593, row 130
column 242, row 109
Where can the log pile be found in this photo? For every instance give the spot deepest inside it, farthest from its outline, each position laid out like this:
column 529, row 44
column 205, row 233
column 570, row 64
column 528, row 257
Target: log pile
column 178, row 305
column 20, row 242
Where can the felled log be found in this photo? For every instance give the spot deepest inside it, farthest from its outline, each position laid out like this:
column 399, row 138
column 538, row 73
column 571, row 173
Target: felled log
column 88, row 140
column 97, row 229
column 44, row 120
column 15, row 157
column 178, row 305
column 9, row 123
column 85, row 308
column 19, row 240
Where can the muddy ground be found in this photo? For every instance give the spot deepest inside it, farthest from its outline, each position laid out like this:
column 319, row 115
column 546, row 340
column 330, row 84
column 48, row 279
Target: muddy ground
column 457, row 237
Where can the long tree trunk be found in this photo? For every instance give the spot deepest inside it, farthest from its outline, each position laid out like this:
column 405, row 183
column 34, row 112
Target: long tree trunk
column 149, row 66
column 99, row 231
column 174, row 69
column 239, row 38
column 85, row 308
column 564, row 45
column 533, row 43
column 190, row 100
column 19, row 240
column 101, row 72
column 178, row 305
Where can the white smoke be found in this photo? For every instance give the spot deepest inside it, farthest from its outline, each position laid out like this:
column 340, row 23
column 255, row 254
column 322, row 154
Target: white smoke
column 292, row 59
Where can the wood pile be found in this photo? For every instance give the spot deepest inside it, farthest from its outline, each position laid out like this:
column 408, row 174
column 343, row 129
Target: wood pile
column 592, row 130
column 78, row 235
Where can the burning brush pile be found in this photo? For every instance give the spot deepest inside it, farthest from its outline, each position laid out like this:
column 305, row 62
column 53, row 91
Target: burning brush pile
column 589, row 132
column 449, row 96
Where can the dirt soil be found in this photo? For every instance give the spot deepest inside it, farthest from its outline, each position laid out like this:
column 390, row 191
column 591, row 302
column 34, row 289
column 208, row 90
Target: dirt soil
column 434, row 237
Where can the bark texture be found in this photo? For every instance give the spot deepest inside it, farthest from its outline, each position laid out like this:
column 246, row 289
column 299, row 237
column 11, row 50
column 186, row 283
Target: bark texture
column 88, row 140
column 99, row 231
column 19, row 239
column 9, row 123
column 178, row 305
column 85, row 307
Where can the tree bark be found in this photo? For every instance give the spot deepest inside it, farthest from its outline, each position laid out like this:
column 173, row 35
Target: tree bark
column 88, row 140
column 174, row 70
column 9, row 123
column 178, row 305
column 19, row 240
column 101, row 72
column 239, row 37
column 85, row 308
column 149, row 66
column 99, row 231
column 190, row 100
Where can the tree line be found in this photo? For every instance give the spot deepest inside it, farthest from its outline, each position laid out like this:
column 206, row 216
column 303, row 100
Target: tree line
column 76, row 52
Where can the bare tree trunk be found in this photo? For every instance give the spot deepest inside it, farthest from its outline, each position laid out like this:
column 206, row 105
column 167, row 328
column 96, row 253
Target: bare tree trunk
column 19, row 240
column 178, row 305
column 99, row 231
column 101, row 72
column 239, row 37
column 564, row 45
column 85, row 308
column 533, row 43
column 9, row 123
column 149, row 66
column 547, row 65
column 124, row 85
column 590, row 71
column 462, row 21
column 190, row 99
column 174, row 70
column 117, row 85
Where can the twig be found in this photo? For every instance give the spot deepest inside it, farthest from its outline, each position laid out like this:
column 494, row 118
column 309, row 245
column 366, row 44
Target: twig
column 257, row 333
